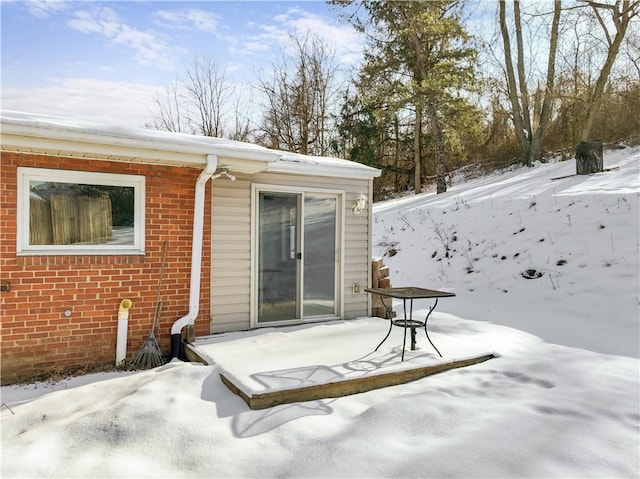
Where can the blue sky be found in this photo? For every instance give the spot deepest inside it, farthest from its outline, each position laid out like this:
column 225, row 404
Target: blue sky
column 105, row 60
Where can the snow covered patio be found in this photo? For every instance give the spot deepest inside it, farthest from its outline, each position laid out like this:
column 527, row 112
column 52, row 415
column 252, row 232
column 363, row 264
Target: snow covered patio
column 538, row 410
column 336, row 358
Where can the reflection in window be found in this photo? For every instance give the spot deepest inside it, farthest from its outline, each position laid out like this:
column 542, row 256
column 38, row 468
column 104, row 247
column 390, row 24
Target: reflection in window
column 69, row 213
column 76, row 212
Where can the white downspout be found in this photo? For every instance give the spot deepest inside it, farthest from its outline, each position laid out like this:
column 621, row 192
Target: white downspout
column 123, row 325
column 196, row 256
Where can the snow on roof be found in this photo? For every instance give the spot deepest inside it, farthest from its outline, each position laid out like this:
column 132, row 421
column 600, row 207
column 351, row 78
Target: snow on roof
column 197, row 147
column 323, row 165
column 86, row 126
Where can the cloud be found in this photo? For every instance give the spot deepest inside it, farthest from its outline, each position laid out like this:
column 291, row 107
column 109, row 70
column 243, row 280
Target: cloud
column 256, row 46
column 343, row 39
column 149, row 48
column 112, row 102
column 188, row 19
column 44, row 8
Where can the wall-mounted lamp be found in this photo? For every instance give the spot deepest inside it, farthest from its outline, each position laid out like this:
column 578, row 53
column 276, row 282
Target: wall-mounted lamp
column 224, row 172
column 359, row 205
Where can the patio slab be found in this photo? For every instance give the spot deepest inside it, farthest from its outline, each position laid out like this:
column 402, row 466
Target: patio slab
column 272, row 366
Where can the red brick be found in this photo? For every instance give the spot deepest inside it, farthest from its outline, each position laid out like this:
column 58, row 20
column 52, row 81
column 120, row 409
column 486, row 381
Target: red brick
column 36, row 335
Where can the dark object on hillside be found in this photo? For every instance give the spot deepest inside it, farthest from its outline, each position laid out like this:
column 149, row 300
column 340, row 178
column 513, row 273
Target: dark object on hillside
column 531, row 274
column 589, row 157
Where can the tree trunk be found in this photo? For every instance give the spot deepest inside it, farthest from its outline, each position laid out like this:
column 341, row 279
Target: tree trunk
column 535, row 153
column 441, row 182
column 417, row 163
column 589, row 157
column 621, row 19
column 400, row 184
column 517, row 113
column 432, row 114
column 522, row 78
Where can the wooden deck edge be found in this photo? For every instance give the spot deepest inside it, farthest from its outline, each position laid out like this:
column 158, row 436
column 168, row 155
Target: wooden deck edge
column 346, row 387
column 192, row 354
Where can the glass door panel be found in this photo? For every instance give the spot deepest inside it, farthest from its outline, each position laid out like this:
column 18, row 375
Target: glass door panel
column 278, row 247
column 297, row 267
column 319, row 255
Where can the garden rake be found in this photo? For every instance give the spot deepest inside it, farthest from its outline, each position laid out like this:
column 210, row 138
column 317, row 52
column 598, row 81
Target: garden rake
column 150, row 355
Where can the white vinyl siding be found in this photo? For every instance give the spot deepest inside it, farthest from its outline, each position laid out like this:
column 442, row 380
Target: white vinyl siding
column 231, row 245
column 230, row 255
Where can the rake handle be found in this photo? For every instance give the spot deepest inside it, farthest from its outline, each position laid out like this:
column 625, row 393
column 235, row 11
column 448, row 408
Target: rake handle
column 156, row 315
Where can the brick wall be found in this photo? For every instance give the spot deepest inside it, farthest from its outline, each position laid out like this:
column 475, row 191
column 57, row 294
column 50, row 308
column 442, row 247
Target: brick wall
column 37, row 336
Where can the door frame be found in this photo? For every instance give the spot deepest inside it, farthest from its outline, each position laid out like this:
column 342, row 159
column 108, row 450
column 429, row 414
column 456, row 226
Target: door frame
column 340, row 195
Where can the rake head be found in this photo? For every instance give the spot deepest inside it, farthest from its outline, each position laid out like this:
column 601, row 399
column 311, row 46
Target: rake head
column 149, row 356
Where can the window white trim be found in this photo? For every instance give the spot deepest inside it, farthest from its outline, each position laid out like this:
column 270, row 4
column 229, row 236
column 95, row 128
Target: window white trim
column 27, row 175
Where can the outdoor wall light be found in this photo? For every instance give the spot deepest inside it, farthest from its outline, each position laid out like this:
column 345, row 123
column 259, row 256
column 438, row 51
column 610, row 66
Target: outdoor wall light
column 224, row 172
column 359, row 205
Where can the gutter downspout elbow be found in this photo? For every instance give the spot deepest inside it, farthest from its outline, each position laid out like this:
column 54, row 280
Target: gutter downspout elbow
column 196, row 256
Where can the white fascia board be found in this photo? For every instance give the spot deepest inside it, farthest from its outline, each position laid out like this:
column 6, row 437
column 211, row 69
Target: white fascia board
column 292, row 163
column 21, row 131
column 98, row 151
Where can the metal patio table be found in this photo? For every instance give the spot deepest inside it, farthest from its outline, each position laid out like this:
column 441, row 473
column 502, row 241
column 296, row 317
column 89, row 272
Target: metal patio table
column 409, row 293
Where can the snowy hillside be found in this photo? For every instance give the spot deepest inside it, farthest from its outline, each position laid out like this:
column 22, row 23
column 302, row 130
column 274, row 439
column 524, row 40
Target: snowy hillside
column 539, row 249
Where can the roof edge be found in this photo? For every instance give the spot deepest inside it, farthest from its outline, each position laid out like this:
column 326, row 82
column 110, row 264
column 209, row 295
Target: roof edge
column 20, row 124
column 35, row 133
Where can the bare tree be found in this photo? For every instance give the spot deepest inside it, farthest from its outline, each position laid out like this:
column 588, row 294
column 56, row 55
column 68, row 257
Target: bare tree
column 240, row 128
column 207, row 93
column 530, row 141
column 200, row 103
column 169, row 104
column 620, row 14
column 299, row 96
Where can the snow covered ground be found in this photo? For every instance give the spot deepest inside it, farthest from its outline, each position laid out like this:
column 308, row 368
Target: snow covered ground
column 581, row 233
column 546, row 275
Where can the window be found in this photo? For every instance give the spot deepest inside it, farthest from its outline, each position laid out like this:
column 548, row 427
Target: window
column 74, row 212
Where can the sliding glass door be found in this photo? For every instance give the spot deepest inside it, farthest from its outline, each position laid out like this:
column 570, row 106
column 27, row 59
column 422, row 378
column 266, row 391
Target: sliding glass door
column 278, row 262
column 319, row 271
column 297, row 264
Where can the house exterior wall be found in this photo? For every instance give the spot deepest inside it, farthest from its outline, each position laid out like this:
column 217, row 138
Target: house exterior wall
column 36, row 334
column 231, row 248
column 231, row 245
